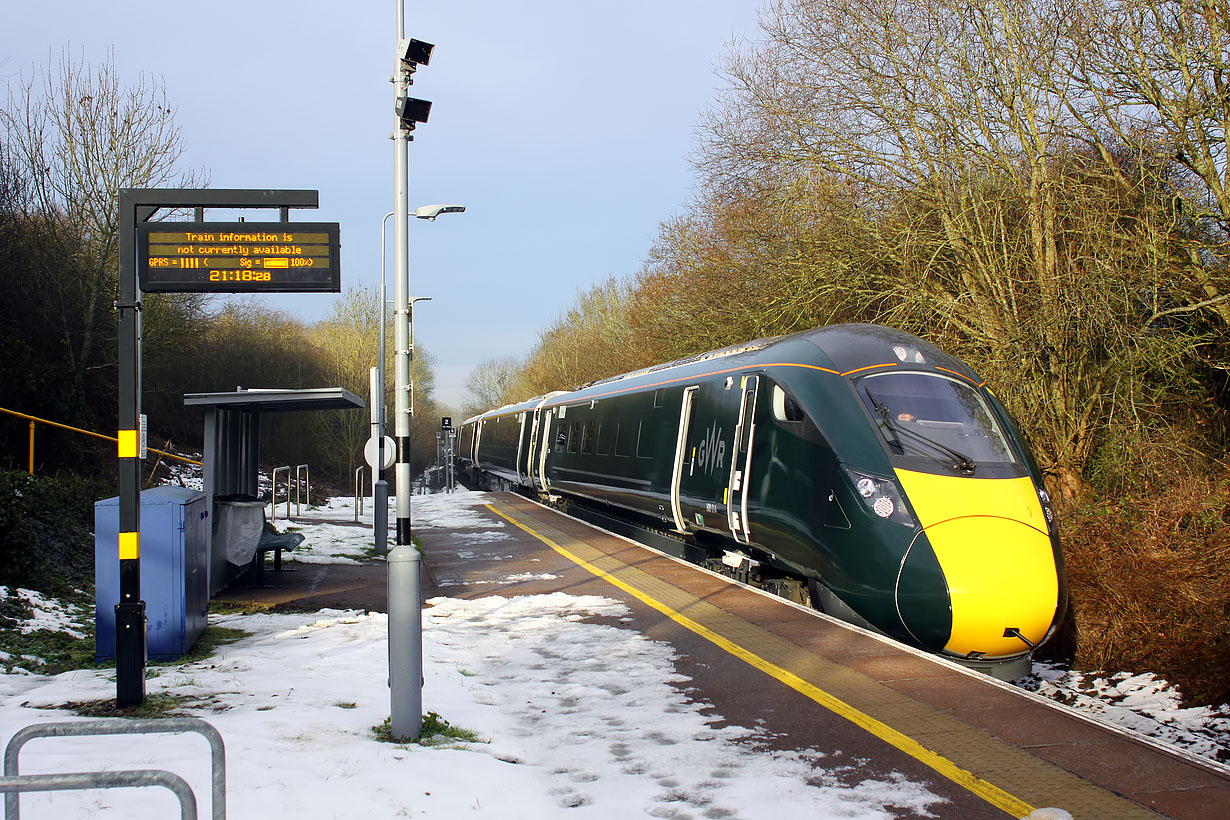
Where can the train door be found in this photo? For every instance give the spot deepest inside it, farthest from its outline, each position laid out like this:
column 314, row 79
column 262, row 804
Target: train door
column 544, row 447
column 521, row 478
column 535, row 420
column 741, row 462
column 535, row 458
column 682, row 458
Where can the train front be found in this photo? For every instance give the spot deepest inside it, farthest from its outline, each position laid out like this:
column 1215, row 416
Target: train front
column 982, row 579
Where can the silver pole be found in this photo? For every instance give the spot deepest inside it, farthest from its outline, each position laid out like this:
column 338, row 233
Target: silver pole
column 405, row 643
column 405, row 624
column 401, row 278
column 380, row 488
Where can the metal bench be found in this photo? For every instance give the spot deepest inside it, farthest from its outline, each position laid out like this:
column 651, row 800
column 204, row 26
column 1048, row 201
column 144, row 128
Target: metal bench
column 275, row 543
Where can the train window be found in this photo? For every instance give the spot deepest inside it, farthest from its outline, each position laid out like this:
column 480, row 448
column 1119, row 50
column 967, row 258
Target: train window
column 587, row 436
column 646, row 439
column 622, row 447
column 573, row 436
column 602, row 443
column 785, row 408
column 926, row 415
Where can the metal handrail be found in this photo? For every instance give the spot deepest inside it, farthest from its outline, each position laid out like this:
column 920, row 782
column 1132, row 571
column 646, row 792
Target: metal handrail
column 307, row 488
column 273, row 494
column 49, row 423
column 118, row 726
column 79, row 781
column 358, row 492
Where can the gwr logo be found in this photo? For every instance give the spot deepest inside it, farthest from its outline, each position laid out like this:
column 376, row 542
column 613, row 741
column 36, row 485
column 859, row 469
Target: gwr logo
column 712, row 450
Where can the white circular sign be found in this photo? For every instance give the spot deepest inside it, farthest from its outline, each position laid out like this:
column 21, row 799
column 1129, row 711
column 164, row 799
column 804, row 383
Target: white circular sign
column 390, row 452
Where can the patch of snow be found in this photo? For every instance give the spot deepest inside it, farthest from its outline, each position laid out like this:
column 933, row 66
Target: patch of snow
column 519, row 578
column 1048, row 814
column 1142, row 703
column 49, row 614
column 575, row 719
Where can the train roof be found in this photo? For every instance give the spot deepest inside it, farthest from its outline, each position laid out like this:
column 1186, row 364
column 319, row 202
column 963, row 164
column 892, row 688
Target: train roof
column 845, row 348
column 842, row 349
column 855, row 347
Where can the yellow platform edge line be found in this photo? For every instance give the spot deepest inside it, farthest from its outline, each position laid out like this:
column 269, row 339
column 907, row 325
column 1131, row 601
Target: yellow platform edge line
column 940, row 764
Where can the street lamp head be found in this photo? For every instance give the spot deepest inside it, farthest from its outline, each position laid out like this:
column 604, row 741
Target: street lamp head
column 430, row 212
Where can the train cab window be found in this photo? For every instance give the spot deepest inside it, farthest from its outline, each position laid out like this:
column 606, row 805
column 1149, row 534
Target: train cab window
column 926, row 415
column 785, row 408
column 588, row 431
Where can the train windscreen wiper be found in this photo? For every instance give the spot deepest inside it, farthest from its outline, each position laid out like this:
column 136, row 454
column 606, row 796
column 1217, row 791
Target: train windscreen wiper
column 961, row 461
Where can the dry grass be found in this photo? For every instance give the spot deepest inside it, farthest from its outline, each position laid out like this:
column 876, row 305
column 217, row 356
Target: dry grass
column 1150, row 582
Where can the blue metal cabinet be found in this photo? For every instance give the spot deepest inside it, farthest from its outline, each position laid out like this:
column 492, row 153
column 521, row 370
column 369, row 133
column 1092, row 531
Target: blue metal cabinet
column 174, row 570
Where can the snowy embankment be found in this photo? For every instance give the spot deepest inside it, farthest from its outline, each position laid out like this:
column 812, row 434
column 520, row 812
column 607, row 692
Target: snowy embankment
column 573, row 718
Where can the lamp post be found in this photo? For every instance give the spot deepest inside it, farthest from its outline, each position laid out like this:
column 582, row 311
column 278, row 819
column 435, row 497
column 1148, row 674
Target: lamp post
column 413, row 299
column 380, row 487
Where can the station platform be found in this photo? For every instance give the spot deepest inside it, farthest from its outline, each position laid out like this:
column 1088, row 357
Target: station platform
column 809, row 681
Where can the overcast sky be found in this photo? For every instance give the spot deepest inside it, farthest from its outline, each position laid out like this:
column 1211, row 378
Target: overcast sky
column 563, row 126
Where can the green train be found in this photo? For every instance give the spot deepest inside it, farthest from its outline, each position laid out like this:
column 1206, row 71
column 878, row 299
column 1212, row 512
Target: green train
column 854, row 467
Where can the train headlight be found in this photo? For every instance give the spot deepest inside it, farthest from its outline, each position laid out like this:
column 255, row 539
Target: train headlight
column 881, row 497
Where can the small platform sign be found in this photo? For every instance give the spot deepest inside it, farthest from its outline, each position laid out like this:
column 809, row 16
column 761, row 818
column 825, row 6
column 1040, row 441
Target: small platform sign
column 238, row 257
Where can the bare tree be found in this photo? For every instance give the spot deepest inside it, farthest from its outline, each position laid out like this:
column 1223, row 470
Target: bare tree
column 1154, row 76
column 79, row 136
column 952, row 128
column 590, row 340
column 492, row 383
column 347, row 345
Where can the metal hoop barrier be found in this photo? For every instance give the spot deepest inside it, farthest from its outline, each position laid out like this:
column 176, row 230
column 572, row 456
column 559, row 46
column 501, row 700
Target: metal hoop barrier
column 273, row 493
column 80, row 781
column 305, row 485
column 13, row 782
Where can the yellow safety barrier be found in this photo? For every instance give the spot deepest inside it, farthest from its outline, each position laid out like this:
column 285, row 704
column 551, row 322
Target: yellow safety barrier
column 36, row 420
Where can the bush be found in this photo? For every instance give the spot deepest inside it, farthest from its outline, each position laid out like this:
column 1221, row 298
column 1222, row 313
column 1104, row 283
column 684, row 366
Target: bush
column 1150, row 582
column 47, row 531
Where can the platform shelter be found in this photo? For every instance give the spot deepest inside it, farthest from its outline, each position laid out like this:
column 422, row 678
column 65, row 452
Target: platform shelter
column 232, row 452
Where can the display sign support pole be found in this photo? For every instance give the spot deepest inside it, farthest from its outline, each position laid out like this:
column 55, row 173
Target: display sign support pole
column 138, row 205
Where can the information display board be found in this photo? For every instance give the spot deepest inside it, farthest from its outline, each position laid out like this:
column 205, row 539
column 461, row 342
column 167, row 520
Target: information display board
column 238, row 257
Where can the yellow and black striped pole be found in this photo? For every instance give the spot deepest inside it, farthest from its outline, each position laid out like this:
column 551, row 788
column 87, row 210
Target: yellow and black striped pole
column 130, row 646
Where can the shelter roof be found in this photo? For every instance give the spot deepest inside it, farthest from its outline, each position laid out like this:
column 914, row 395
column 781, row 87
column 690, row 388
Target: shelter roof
column 278, row 401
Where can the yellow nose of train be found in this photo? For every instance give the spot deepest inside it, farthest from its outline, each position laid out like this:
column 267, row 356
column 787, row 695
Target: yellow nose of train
column 990, row 539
